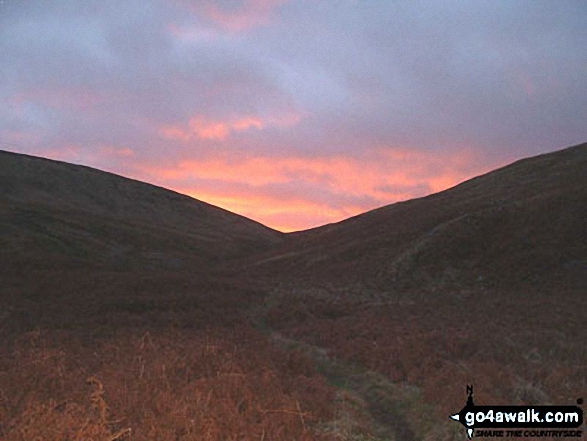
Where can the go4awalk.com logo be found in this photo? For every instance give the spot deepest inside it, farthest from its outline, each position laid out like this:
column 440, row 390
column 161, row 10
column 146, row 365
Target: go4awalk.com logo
column 520, row 421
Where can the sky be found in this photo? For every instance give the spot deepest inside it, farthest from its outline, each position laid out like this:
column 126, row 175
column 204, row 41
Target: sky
column 295, row 113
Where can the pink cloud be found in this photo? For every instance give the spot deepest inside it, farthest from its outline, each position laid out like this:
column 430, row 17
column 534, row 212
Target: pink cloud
column 246, row 15
column 234, row 16
column 246, row 123
column 115, row 159
column 218, row 130
column 292, row 193
column 209, row 129
column 283, row 214
column 116, row 152
column 18, row 137
column 68, row 153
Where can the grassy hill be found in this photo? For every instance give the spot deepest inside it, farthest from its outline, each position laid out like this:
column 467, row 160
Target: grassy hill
column 58, row 215
column 524, row 223
column 481, row 284
column 128, row 311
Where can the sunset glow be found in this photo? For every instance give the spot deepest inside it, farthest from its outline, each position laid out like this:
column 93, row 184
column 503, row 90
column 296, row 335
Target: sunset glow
column 293, row 113
column 297, row 193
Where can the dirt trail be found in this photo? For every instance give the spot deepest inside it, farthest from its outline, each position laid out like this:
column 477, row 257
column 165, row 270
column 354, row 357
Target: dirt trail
column 384, row 403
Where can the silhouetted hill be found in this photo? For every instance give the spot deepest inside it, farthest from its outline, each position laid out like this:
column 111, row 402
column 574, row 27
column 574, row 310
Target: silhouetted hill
column 521, row 223
column 118, row 323
column 58, row 215
column 518, row 224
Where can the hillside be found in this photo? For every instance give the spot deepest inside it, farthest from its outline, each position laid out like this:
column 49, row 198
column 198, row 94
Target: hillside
column 481, row 284
column 58, row 215
column 115, row 324
column 524, row 223
column 132, row 312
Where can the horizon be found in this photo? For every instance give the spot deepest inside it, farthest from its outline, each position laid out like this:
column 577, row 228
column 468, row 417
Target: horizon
column 300, row 230
column 294, row 114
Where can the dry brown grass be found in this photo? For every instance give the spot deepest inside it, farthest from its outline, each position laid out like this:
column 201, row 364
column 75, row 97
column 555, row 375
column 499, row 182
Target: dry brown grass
column 217, row 385
column 514, row 349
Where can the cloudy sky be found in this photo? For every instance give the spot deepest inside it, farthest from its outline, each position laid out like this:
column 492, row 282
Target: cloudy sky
column 294, row 113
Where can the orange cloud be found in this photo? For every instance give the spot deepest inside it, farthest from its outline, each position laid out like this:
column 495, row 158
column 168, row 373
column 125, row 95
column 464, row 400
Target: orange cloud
column 282, row 214
column 68, row 153
column 294, row 193
column 112, row 151
column 208, row 129
column 173, row 132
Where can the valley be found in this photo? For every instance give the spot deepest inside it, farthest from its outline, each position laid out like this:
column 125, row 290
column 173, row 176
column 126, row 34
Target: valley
column 132, row 312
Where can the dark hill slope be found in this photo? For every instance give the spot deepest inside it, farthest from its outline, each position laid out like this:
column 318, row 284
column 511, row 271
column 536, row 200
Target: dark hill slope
column 58, row 215
column 522, row 223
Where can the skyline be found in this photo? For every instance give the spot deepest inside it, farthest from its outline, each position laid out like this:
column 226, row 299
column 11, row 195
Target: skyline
column 293, row 113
